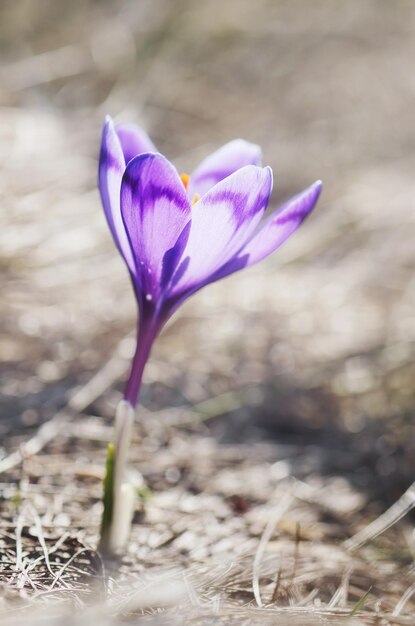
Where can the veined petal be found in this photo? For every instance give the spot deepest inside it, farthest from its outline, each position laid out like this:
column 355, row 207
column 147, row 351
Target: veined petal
column 173, row 256
column 155, row 209
column 110, row 171
column 220, row 164
column 134, row 141
column 281, row 224
column 223, row 220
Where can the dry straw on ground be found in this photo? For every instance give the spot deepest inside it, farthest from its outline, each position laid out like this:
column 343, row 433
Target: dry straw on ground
column 227, row 529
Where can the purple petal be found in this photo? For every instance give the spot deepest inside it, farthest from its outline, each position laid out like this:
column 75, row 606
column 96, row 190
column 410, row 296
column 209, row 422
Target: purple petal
column 134, row 141
column 222, row 163
column 173, row 256
column 155, row 209
column 233, row 265
column 223, row 220
column 110, row 171
column 281, row 224
column 177, row 298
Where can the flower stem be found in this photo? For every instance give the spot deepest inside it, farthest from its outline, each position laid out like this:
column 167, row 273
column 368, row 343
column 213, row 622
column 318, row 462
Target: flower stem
column 108, row 500
column 146, row 334
column 119, row 493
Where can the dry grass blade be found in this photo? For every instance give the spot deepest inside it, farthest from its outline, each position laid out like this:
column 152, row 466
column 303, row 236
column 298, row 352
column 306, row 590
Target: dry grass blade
column 78, row 401
column 359, row 604
column 385, row 521
column 405, row 598
column 42, row 542
column 340, row 597
column 282, row 508
column 44, row 435
column 19, row 550
column 65, row 566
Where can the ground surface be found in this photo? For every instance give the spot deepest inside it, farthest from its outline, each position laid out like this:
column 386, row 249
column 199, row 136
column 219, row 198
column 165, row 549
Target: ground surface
column 277, row 411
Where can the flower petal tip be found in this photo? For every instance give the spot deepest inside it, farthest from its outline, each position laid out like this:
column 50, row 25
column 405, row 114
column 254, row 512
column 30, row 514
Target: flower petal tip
column 147, row 160
column 108, row 121
column 248, row 147
column 269, row 171
column 134, row 140
column 313, row 193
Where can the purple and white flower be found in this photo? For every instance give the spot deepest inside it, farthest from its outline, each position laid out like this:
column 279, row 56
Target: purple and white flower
column 180, row 233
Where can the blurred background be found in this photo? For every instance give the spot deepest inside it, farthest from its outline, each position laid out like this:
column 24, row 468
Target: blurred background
column 316, row 345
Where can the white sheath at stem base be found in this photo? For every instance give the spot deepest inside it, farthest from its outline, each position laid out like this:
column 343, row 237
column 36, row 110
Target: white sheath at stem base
column 122, row 517
column 123, row 492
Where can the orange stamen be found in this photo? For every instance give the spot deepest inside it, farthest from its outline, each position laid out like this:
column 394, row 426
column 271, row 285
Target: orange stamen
column 195, row 199
column 185, row 179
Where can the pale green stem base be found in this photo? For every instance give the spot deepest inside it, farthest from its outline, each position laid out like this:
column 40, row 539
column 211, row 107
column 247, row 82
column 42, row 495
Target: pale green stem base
column 119, row 493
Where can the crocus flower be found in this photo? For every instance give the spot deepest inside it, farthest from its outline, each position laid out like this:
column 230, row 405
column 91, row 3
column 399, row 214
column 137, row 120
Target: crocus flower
column 180, row 233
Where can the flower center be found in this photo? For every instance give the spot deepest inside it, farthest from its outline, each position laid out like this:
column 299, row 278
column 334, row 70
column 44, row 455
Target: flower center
column 185, row 178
